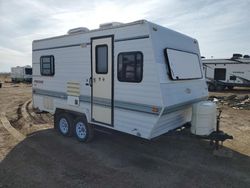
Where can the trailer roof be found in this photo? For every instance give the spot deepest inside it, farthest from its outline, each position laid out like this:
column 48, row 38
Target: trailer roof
column 226, row 61
column 98, row 29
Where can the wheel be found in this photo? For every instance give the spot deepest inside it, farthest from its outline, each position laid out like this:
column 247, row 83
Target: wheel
column 84, row 131
column 211, row 87
column 64, row 124
column 220, row 88
column 230, row 87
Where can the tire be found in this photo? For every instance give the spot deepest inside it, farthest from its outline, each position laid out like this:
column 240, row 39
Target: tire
column 230, row 87
column 64, row 124
column 84, row 131
column 220, row 88
column 211, row 87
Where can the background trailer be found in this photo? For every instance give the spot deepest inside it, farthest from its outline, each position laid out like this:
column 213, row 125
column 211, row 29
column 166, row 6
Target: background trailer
column 21, row 74
column 227, row 73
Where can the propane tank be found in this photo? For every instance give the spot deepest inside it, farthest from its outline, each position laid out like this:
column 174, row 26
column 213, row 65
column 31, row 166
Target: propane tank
column 203, row 118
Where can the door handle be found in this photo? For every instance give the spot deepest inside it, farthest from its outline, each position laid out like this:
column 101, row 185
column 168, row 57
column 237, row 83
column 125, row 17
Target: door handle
column 89, row 82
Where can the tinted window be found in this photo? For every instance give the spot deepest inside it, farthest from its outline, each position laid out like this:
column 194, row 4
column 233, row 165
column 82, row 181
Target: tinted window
column 232, row 77
column 130, row 67
column 28, row 71
column 46, row 59
column 219, row 74
column 47, row 65
column 102, row 59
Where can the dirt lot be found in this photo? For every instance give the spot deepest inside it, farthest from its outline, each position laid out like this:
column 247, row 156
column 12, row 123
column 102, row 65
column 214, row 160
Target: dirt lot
column 5, row 77
column 177, row 159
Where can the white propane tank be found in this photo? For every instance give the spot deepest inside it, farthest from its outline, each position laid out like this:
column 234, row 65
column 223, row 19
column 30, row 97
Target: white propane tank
column 203, row 118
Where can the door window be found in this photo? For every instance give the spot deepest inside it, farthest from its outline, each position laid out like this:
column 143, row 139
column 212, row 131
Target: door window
column 101, row 52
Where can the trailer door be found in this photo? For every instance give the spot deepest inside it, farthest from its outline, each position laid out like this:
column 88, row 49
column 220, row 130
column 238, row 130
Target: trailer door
column 102, row 80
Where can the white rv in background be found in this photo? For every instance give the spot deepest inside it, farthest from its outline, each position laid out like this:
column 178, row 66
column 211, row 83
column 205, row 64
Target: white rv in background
column 139, row 78
column 21, row 74
column 227, row 73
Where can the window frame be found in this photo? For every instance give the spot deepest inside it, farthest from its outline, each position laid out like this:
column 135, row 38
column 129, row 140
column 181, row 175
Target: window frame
column 52, row 65
column 220, row 69
column 169, row 67
column 142, row 61
column 96, row 59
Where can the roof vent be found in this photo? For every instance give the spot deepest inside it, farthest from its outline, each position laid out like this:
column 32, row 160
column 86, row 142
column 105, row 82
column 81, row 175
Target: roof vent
column 78, row 30
column 246, row 56
column 109, row 25
column 236, row 56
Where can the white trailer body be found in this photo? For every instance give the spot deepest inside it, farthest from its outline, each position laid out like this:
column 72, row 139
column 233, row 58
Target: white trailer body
column 221, row 73
column 21, row 74
column 138, row 78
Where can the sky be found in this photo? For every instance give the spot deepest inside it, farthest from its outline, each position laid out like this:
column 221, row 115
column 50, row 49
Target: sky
column 222, row 27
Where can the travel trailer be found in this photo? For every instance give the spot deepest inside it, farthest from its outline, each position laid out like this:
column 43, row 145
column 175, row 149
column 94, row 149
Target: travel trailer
column 139, row 78
column 21, row 74
column 227, row 73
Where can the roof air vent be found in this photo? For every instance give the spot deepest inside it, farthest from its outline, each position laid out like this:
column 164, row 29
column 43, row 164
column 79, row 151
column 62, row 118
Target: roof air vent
column 78, row 30
column 109, row 25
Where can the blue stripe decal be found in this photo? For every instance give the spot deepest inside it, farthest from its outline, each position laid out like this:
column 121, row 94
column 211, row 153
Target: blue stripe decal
column 122, row 104
column 132, row 38
column 102, row 101
column 182, row 105
column 58, row 47
column 88, row 43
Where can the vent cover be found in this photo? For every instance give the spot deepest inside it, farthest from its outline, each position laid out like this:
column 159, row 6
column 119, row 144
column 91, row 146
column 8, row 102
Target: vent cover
column 78, row 30
column 109, row 25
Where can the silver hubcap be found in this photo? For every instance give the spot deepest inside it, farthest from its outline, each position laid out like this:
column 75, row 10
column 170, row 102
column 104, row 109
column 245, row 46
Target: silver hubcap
column 63, row 125
column 81, row 130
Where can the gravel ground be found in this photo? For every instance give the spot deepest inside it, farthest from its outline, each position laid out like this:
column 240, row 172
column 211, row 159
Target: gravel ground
column 177, row 159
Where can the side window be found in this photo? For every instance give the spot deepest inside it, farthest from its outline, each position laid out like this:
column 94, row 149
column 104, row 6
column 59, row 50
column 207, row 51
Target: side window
column 219, row 74
column 130, row 67
column 28, row 71
column 232, row 77
column 47, row 65
column 101, row 55
column 183, row 65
